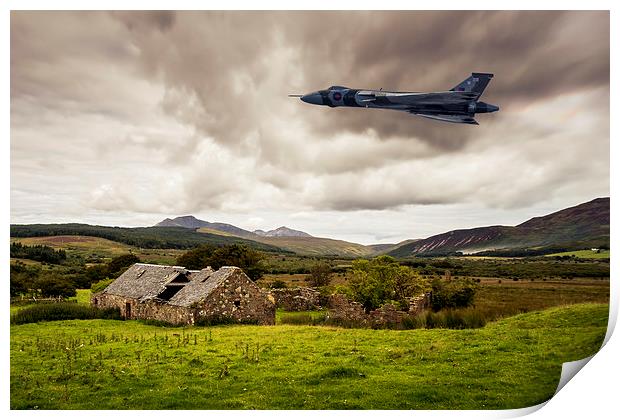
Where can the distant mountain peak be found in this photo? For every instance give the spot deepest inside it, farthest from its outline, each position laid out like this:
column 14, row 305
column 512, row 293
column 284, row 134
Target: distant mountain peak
column 283, row 231
column 191, row 222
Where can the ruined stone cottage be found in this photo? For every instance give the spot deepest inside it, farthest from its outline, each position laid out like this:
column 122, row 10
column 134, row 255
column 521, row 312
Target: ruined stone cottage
column 179, row 296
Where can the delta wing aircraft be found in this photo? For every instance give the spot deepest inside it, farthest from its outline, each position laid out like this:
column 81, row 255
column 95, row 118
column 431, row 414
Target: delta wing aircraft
column 457, row 105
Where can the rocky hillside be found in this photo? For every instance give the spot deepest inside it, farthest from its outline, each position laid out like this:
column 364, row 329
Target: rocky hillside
column 582, row 226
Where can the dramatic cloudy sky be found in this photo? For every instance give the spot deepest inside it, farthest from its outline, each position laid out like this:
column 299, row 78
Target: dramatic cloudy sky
column 126, row 118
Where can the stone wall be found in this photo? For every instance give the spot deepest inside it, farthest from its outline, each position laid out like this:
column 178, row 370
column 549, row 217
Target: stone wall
column 297, row 299
column 343, row 310
column 386, row 316
column 150, row 309
column 237, row 298
column 419, row 303
column 340, row 308
column 240, row 299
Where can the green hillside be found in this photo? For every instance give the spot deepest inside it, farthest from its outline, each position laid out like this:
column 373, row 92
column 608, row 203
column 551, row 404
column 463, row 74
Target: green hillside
column 144, row 237
column 309, row 245
column 574, row 228
column 96, row 364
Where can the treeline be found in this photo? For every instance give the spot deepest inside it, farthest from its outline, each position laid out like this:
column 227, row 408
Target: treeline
column 62, row 281
column 248, row 259
column 539, row 267
column 41, row 253
column 144, row 237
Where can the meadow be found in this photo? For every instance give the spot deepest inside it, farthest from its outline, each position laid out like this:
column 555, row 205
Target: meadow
column 584, row 253
column 94, row 249
column 97, row 364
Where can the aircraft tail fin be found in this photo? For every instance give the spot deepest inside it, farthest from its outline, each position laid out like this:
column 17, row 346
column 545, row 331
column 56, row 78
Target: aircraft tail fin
column 476, row 83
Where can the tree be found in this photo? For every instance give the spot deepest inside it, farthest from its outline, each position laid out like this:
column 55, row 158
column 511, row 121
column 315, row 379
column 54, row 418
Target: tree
column 121, row 263
column 53, row 286
column 320, row 275
column 239, row 256
column 452, row 294
column 235, row 255
column 382, row 280
column 197, row 258
column 96, row 272
column 22, row 278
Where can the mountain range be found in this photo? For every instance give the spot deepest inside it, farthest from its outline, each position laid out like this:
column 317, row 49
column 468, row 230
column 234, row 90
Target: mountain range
column 582, row 226
column 191, row 222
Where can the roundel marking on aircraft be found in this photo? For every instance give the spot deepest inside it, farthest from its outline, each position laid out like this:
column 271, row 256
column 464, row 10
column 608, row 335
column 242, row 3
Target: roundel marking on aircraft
column 337, row 96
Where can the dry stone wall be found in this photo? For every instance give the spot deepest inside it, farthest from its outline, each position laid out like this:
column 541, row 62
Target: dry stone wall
column 297, row 299
column 345, row 311
column 240, row 299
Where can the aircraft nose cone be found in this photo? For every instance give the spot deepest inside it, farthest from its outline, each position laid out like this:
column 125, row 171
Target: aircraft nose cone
column 493, row 108
column 313, row 98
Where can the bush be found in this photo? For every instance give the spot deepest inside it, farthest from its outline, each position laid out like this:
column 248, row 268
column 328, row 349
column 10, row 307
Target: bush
column 242, row 256
column 454, row 319
column 53, row 285
column 452, row 293
column 100, row 285
column 381, row 280
column 222, row 320
column 303, row 319
column 278, row 284
column 62, row 311
column 320, row 275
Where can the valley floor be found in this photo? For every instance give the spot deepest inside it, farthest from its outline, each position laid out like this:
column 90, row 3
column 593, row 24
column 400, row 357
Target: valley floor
column 96, row 364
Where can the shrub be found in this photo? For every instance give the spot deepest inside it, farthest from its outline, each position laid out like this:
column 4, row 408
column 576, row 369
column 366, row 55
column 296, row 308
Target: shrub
column 278, row 284
column 452, row 293
column 454, row 319
column 158, row 323
column 320, row 275
column 223, row 320
column 381, row 280
column 62, row 311
column 303, row 319
column 53, row 285
column 100, row 285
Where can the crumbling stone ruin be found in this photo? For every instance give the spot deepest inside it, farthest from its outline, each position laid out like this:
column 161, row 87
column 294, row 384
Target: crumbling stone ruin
column 297, row 299
column 341, row 309
column 419, row 303
column 179, row 296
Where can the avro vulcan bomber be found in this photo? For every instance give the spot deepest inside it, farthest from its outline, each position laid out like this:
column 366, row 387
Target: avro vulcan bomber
column 458, row 105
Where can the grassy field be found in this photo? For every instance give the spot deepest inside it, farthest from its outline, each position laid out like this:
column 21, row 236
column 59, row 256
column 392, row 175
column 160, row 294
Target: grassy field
column 93, row 248
column 99, row 364
column 318, row 246
column 504, row 297
column 585, row 253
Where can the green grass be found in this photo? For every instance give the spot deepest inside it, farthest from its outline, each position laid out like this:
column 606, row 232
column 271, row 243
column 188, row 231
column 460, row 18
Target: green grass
column 318, row 246
column 100, row 249
column 96, row 364
column 584, row 253
column 496, row 300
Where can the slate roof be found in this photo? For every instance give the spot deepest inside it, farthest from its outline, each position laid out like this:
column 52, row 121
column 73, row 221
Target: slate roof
column 147, row 281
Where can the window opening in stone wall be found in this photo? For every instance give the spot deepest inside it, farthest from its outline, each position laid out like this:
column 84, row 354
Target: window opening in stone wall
column 237, row 303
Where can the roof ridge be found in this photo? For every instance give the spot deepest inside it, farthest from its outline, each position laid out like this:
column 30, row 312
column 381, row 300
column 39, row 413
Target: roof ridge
column 161, row 265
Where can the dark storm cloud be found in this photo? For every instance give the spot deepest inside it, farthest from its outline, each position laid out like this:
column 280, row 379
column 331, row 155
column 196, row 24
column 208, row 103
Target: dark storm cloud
column 534, row 55
column 182, row 111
